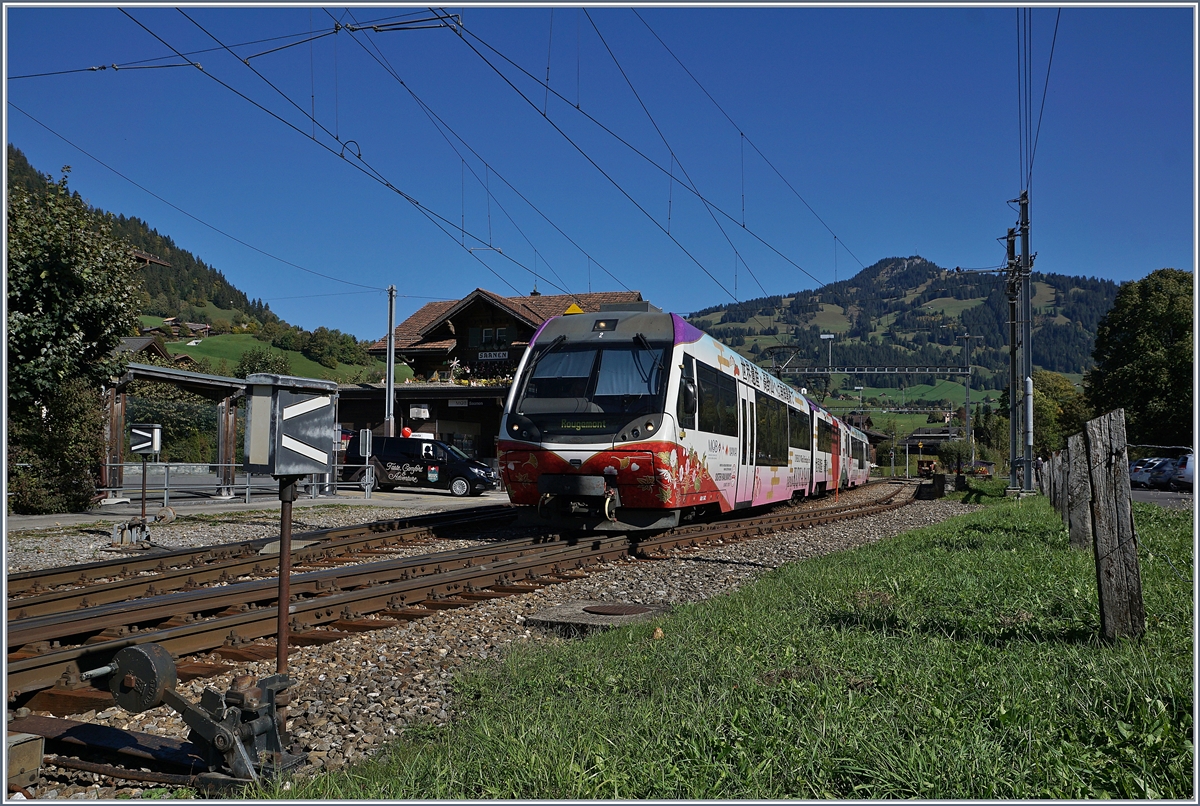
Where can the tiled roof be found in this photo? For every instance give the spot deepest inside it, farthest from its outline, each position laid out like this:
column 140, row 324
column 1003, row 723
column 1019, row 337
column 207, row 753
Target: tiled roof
column 534, row 310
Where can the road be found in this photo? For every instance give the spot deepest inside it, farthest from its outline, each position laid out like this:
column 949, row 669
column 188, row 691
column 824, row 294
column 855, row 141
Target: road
column 1164, row 498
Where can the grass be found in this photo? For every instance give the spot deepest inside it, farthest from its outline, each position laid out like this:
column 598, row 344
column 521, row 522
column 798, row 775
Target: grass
column 957, row 661
column 953, row 307
column 230, row 347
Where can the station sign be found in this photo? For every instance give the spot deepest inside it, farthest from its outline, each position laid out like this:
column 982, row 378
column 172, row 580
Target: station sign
column 494, row 355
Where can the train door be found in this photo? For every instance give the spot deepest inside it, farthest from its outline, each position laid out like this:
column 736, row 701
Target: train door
column 746, row 447
column 835, row 457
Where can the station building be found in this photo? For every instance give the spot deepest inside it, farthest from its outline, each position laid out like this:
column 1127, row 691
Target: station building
column 463, row 354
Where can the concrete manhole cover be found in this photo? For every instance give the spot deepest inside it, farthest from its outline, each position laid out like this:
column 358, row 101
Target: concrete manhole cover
column 615, row 609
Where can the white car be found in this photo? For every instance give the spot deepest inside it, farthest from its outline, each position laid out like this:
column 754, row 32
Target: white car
column 1141, row 476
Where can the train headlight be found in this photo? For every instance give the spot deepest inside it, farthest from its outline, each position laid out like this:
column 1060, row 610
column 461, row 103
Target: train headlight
column 516, row 427
column 649, row 426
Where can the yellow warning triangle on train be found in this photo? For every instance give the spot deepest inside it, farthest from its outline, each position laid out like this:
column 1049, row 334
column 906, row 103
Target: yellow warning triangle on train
column 573, row 309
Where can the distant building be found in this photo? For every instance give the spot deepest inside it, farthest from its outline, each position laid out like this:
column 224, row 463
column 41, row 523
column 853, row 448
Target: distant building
column 485, row 332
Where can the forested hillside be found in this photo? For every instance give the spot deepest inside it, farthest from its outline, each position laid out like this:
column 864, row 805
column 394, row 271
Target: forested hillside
column 193, row 291
column 906, row 311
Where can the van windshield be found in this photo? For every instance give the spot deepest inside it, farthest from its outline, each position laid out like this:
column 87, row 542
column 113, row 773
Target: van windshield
column 457, row 453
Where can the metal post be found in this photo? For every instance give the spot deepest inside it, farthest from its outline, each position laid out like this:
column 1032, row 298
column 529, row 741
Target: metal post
column 906, row 460
column 1026, row 338
column 389, row 417
column 1013, row 409
column 144, row 457
column 967, row 408
column 166, row 483
column 287, row 494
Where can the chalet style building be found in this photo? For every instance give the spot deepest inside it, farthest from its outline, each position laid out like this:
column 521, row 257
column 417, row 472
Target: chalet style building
column 484, row 332
column 477, row 341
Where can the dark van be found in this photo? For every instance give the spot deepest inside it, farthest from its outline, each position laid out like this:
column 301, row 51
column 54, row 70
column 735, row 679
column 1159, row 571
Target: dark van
column 414, row 462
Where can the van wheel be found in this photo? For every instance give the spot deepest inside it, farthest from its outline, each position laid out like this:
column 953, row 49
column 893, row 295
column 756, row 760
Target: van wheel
column 460, row 487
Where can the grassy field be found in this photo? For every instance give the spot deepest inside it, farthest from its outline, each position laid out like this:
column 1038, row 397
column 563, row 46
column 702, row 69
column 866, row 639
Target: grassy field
column 953, row 307
column 230, row 347
column 957, row 661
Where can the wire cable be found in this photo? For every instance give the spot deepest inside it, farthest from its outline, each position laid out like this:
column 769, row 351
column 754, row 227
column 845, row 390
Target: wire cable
column 198, row 220
column 619, row 139
column 736, row 254
column 361, row 164
column 437, row 122
column 744, row 135
column 1042, row 109
column 603, row 172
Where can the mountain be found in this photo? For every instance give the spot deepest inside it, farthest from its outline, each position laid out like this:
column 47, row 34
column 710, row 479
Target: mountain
column 177, row 283
column 905, row 311
column 179, row 289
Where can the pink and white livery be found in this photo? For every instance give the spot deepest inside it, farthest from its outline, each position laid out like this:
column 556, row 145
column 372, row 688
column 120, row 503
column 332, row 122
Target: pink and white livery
column 631, row 419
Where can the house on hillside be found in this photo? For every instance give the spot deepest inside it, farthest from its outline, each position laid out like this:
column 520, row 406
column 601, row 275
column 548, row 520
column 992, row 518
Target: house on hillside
column 149, row 345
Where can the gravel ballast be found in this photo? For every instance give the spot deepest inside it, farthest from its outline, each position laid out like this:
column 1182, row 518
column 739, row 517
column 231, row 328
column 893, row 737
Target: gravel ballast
column 352, row 696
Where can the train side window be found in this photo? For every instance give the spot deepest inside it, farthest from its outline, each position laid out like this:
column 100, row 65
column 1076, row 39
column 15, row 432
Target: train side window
column 688, row 402
column 799, row 429
column 727, row 387
column 824, row 436
column 771, row 448
column 717, row 405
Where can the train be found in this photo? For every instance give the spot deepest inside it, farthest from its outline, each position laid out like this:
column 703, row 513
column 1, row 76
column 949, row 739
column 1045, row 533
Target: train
column 633, row 419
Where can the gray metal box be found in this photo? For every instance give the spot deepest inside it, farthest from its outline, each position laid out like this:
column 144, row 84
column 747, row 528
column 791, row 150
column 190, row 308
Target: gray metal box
column 290, row 425
column 24, row 752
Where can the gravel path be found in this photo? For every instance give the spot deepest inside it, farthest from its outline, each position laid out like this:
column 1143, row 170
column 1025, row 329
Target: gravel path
column 352, row 696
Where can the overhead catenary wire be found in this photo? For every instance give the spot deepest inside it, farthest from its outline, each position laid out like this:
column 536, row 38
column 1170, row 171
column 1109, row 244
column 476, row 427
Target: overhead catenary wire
column 744, row 135
column 736, row 254
column 361, row 164
column 619, row 139
column 195, row 218
column 603, row 173
column 1042, row 109
column 439, row 124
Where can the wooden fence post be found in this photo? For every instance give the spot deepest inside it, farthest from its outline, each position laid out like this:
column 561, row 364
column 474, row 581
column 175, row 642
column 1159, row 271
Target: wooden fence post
column 1078, row 509
column 1118, row 577
column 1064, row 483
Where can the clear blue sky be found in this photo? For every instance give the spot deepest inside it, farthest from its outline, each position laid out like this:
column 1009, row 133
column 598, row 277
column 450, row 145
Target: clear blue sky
column 899, row 127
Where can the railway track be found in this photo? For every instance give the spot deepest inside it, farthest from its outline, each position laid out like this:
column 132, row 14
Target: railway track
column 147, row 577
column 50, row 651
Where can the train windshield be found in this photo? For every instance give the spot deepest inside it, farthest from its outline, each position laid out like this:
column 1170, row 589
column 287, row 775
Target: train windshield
column 593, row 389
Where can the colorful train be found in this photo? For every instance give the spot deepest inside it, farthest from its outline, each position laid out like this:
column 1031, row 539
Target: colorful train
column 635, row 419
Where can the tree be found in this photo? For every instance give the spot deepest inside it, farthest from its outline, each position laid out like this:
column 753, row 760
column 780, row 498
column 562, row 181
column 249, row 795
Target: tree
column 54, row 453
column 71, row 295
column 1144, row 359
column 262, row 359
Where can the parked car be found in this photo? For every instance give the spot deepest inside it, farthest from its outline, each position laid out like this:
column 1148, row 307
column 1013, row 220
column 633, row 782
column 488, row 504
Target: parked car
column 1161, row 475
column 1185, row 469
column 1135, row 464
column 416, row 462
column 1141, row 476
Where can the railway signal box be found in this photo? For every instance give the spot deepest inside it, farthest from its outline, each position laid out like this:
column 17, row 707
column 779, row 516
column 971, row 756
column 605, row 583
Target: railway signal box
column 290, row 425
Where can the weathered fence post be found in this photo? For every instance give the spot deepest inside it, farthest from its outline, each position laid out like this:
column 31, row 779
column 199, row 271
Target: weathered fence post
column 1078, row 509
column 1064, row 483
column 1118, row 577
